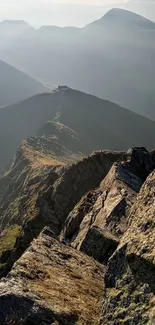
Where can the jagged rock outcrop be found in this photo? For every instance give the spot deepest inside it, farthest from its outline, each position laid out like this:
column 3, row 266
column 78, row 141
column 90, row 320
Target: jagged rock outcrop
column 77, row 180
column 51, row 284
column 40, row 188
column 108, row 207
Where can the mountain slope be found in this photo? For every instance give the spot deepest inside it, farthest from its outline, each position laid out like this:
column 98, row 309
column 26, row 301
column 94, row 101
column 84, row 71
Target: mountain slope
column 144, row 8
column 116, row 63
column 92, row 122
column 16, row 85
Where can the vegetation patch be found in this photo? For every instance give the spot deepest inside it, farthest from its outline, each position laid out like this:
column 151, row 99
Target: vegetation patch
column 8, row 238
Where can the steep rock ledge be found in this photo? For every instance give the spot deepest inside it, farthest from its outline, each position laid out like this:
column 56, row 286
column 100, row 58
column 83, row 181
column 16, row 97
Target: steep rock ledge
column 51, row 284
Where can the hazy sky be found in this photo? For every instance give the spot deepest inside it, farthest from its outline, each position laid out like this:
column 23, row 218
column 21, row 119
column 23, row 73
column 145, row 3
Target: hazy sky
column 55, row 12
column 62, row 12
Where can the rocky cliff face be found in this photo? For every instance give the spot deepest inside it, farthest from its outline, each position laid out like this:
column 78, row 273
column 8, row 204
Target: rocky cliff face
column 130, row 276
column 98, row 222
column 96, row 264
column 40, row 188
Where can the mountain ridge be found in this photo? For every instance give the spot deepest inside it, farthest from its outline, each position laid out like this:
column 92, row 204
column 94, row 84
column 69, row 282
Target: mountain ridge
column 83, row 113
column 117, row 64
column 110, row 14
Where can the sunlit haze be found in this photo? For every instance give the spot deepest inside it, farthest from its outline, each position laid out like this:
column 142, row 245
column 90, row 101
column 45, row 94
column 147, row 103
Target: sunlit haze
column 60, row 12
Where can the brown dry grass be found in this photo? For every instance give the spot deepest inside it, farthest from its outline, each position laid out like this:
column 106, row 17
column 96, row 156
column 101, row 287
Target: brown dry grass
column 46, row 161
column 66, row 281
column 37, row 159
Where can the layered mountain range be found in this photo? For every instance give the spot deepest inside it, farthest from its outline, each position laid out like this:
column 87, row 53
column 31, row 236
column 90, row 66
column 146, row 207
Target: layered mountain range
column 112, row 58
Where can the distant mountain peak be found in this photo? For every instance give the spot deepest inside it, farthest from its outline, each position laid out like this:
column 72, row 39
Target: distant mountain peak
column 118, row 13
column 19, row 23
column 12, row 21
column 9, row 27
column 119, row 17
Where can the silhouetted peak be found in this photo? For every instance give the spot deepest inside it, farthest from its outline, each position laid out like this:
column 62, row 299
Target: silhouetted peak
column 14, row 27
column 22, row 23
column 123, row 17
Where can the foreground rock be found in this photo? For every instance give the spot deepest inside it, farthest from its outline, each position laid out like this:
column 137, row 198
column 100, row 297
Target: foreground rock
column 96, row 209
column 52, row 284
column 130, row 278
